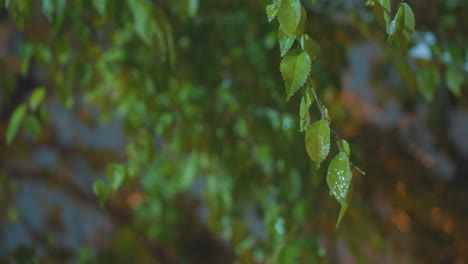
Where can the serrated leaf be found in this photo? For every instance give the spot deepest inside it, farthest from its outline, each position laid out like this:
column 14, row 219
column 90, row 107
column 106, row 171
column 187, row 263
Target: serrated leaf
column 382, row 12
column 101, row 190
column 116, row 175
column 345, row 146
column 295, row 68
column 272, row 10
column 100, row 6
column 36, row 98
column 317, row 141
column 285, row 42
column 15, row 122
column 454, row 79
column 311, row 47
column 289, row 15
column 402, row 26
column 339, row 180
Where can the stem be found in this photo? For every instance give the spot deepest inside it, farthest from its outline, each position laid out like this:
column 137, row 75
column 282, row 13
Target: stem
column 325, row 117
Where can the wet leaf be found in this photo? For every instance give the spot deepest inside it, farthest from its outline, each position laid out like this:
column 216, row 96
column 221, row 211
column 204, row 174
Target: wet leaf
column 339, row 179
column 317, row 140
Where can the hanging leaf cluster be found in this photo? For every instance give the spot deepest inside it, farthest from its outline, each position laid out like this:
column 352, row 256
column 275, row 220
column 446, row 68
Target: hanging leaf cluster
column 295, row 69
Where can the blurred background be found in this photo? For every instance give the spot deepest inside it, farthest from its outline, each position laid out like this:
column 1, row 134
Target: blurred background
column 152, row 131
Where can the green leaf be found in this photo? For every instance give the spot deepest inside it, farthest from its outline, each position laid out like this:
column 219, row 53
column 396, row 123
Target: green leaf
column 304, row 116
column 26, row 52
column 339, row 179
column 306, row 102
column 295, row 67
column 272, row 10
column 345, row 146
column 285, row 42
column 101, row 190
column 100, row 6
column 116, row 175
column 141, row 19
column 311, row 47
column 36, row 98
column 454, row 79
column 33, row 125
column 402, row 26
column 48, row 8
column 304, row 122
column 289, row 15
column 427, row 79
column 301, row 26
column 382, row 11
column 192, row 7
column 7, row 3
column 15, row 122
column 317, row 140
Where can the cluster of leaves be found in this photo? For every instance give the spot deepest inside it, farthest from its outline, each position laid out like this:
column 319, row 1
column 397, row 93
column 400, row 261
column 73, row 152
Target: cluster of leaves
column 27, row 114
column 295, row 68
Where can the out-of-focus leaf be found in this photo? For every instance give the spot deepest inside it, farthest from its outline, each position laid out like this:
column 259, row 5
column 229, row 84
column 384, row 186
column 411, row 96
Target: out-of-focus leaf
column 289, row 15
column 26, row 52
column 101, row 190
column 116, row 175
column 427, row 79
column 33, row 125
column 402, row 26
column 15, row 122
column 317, row 141
column 192, row 7
column 36, row 98
column 454, row 79
column 382, row 12
column 339, row 179
column 295, row 68
column 311, row 47
column 100, row 6
column 48, row 8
